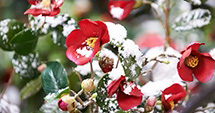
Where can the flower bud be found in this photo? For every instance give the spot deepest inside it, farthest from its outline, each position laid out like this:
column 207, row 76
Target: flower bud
column 150, row 103
column 88, row 85
column 137, row 4
column 41, row 68
column 106, row 64
column 67, row 103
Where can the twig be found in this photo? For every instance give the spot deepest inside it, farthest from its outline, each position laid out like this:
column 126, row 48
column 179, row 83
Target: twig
column 79, row 99
column 167, row 39
column 79, row 93
column 91, row 69
column 172, row 56
column 118, row 60
column 8, row 84
column 203, row 109
column 156, row 11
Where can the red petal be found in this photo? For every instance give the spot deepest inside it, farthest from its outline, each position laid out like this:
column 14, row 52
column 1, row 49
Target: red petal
column 75, row 38
column 135, row 91
column 178, row 93
column 184, row 55
column 97, row 47
column 185, row 72
column 205, row 69
column 194, row 46
column 62, row 105
column 90, row 28
column 33, row 2
column 114, row 85
column 36, row 12
column 78, row 59
column 105, row 38
column 126, row 5
column 58, row 3
column 127, row 102
column 54, row 12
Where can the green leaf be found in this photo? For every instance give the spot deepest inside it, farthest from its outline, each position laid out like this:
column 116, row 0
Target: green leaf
column 52, row 96
column 8, row 29
column 31, row 88
column 24, row 42
column 26, row 65
column 51, row 108
column 193, row 19
column 54, row 77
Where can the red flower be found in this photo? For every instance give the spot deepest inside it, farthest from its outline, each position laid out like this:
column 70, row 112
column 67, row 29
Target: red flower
column 192, row 62
column 128, row 95
column 120, row 9
column 171, row 96
column 44, row 7
column 85, row 42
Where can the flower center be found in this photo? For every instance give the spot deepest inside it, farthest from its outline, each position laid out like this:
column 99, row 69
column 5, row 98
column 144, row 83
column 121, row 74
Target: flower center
column 192, row 61
column 46, row 3
column 91, row 41
column 172, row 104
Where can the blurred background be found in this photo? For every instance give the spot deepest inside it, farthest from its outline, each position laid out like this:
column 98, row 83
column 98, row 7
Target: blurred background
column 142, row 25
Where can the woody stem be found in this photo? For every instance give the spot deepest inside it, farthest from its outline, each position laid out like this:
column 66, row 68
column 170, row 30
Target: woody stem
column 91, row 69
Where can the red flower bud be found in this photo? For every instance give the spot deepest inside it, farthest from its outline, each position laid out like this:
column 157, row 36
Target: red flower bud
column 151, row 101
column 106, row 64
column 67, row 103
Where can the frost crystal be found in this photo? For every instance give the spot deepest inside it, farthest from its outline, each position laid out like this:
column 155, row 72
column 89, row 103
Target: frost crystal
column 117, row 33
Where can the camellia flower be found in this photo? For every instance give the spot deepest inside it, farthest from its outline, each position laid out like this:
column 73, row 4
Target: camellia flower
column 192, row 62
column 171, row 96
column 85, row 42
column 44, row 7
column 121, row 8
column 128, row 95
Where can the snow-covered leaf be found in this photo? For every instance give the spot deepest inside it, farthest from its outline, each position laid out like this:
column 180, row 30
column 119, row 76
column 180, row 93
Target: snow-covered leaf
column 24, row 42
column 26, row 65
column 8, row 29
column 51, row 108
column 193, row 19
column 52, row 96
column 196, row 2
column 132, row 59
column 31, row 88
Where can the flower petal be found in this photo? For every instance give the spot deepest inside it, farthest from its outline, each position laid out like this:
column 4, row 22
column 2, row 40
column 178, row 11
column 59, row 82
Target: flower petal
column 127, row 102
column 114, row 85
column 33, row 2
column 135, row 91
column 75, row 38
column 78, row 59
column 184, row 55
column 185, row 72
column 58, row 3
column 194, row 46
column 205, row 69
column 127, row 6
column 36, row 12
column 90, row 28
column 105, row 37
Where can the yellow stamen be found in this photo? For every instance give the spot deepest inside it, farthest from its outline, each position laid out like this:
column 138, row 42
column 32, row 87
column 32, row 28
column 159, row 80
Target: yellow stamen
column 91, row 41
column 46, row 3
column 172, row 104
column 192, row 61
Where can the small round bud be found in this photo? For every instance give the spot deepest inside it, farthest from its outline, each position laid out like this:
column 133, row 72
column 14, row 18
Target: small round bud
column 137, row 4
column 88, row 85
column 150, row 103
column 106, row 64
column 166, row 62
column 41, row 68
column 67, row 103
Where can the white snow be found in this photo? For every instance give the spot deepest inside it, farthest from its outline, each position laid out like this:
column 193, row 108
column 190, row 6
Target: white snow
column 212, row 53
column 117, row 33
column 85, row 51
column 116, row 12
